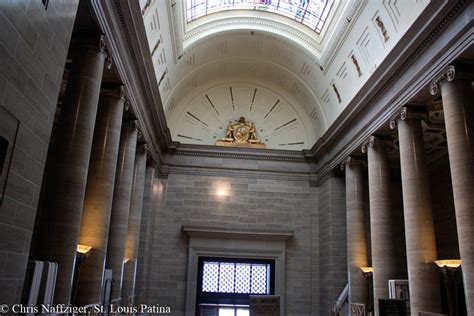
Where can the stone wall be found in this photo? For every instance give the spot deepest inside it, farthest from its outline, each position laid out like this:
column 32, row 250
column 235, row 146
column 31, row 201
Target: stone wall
column 248, row 203
column 35, row 41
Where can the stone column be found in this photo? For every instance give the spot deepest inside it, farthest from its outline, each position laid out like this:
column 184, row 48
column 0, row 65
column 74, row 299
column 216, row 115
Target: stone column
column 383, row 232
column 357, row 255
column 457, row 96
column 99, row 194
column 121, row 205
column 424, row 283
column 146, row 225
column 159, row 200
column 60, row 226
column 133, row 233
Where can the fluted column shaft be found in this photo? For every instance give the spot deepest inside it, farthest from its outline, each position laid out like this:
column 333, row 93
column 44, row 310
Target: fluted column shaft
column 133, row 232
column 382, row 223
column 59, row 232
column 357, row 255
column 121, row 205
column 459, row 119
column 99, row 194
column 146, row 229
column 423, row 276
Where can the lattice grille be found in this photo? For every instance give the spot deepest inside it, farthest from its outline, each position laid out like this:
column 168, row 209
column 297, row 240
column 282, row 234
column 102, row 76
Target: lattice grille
column 242, row 280
column 259, row 279
column 230, row 277
column 210, row 276
column 226, row 280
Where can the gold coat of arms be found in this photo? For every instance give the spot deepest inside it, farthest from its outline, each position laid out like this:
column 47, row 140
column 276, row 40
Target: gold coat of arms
column 241, row 134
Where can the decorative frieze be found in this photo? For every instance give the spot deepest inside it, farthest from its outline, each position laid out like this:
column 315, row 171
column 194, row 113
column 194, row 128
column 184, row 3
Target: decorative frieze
column 382, row 28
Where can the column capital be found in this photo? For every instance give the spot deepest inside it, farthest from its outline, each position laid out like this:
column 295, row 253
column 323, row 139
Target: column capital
column 108, row 54
column 405, row 113
column 130, row 123
column 127, row 103
column 448, row 74
column 351, row 161
column 96, row 42
column 114, row 90
column 371, row 142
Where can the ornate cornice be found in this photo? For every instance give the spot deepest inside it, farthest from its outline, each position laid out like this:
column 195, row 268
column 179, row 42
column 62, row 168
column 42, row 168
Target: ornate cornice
column 431, row 36
column 239, row 153
column 237, row 156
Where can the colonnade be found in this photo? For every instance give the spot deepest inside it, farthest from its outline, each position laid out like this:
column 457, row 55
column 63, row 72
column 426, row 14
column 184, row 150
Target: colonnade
column 94, row 195
column 420, row 243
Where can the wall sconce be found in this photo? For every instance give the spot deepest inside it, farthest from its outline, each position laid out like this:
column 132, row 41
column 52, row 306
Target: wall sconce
column 82, row 252
column 367, row 270
column 83, row 249
column 368, row 275
column 125, row 260
column 449, row 269
column 450, row 263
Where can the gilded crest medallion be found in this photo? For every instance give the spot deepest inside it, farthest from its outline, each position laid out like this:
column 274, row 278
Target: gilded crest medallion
column 241, row 134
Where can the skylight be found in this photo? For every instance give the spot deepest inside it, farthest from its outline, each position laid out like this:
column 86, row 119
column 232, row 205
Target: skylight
column 311, row 13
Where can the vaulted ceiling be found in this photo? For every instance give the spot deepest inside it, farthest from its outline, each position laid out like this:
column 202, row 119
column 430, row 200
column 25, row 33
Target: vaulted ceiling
column 291, row 81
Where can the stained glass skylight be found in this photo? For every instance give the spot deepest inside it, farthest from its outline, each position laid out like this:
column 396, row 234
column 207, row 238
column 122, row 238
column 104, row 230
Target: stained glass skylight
column 311, row 13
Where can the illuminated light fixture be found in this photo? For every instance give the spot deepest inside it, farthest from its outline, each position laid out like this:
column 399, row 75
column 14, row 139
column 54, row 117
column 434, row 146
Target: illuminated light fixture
column 368, row 275
column 221, row 192
column 449, row 269
column 83, row 249
column 126, row 260
column 449, row 263
column 367, row 269
column 157, row 187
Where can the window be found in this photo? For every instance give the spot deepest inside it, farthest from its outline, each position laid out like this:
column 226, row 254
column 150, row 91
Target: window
column 311, row 13
column 224, row 284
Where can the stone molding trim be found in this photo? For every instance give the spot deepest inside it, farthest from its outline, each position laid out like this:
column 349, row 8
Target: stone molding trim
column 236, row 173
column 234, row 243
column 234, row 233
